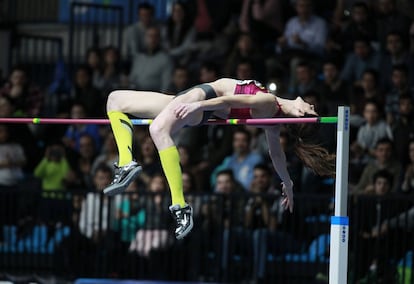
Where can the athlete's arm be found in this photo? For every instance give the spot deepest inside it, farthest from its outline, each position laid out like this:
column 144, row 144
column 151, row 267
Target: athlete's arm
column 224, row 102
column 279, row 163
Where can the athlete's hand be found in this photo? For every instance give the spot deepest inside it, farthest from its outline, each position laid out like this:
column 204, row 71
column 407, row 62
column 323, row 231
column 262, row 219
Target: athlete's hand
column 185, row 109
column 287, row 194
column 298, row 108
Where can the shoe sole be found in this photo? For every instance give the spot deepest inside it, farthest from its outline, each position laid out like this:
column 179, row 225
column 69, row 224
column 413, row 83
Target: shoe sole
column 120, row 187
column 188, row 230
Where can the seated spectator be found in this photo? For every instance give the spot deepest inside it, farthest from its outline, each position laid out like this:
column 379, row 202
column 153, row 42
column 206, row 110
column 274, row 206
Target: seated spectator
column 390, row 19
column 305, row 80
column 111, row 71
column 209, row 72
column 85, row 93
column 149, row 160
column 178, row 34
column 134, row 40
column 181, row 80
column 242, row 161
column 152, row 68
column 403, row 128
column 400, row 87
column 12, row 159
column 27, row 98
column 244, row 70
column 244, row 49
column 334, row 91
column 108, row 154
column 371, row 132
column 155, row 234
column 73, row 133
column 361, row 24
column 407, row 185
column 94, row 62
column 396, row 53
column 362, row 57
column 383, row 160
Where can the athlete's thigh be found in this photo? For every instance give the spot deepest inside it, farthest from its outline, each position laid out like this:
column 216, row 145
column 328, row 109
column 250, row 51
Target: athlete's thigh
column 141, row 103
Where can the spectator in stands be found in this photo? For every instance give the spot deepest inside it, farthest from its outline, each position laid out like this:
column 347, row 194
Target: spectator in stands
column 362, row 57
column 396, row 54
column 383, row 160
column 111, row 70
column 334, row 91
column 85, row 93
column 361, row 25
column 71, row 139
column 181, row 79
column 244, row 49
column 95, row 63
column 209, row 72
column 178, row 34
column 305, row 33
column 27, row 98
column 12, row 159
column 108, row 154
column 407, row 185
column 154, row 235
column 374, row 129
column 149, row 160
column 152, row 68
column 403, row 129
column 244, row 70
column 135, row 34
column 305, row 80
column 261, row 19
column 95, row 216
column 242, row 161
column 390, row 19
column 400, row 87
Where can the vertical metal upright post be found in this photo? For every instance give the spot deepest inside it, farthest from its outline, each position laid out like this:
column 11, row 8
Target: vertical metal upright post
column 338, row 263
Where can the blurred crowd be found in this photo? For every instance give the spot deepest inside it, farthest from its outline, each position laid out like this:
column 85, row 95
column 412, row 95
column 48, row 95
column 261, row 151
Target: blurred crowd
column 330, row 53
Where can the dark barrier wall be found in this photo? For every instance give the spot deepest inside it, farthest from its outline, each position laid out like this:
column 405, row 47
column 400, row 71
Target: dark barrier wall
column 236, row 238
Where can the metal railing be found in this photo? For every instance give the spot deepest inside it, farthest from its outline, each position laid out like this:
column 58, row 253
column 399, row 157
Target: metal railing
column 79, row 234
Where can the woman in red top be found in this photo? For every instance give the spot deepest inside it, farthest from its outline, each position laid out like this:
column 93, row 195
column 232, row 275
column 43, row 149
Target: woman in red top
column 223, row 98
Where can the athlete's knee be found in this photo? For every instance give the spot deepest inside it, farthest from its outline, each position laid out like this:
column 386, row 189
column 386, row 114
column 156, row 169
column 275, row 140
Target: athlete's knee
column 113, row 102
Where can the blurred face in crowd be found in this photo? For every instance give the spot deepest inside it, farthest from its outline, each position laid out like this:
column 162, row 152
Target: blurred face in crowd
column 110, row 144
column 371, row 114
column 187, row 183
column 157, row 184
column 224, row 184
column 207, row 75
column 178, row 13
column 86, row 146
column 261, row 180
column 82, row 78
column 368, row 81
column 406, row 107
column 303, row 74
column 145, row 16
column 102, row 179
column 383, row 152
column 6, row 108
column 93, row 59
column 180, row 78
column 184, row 156
column 381, row 186
column 18, row 77
column 240, row 143
column 411, row 151
column 244, row 71
column 394, row 44
column 399, row 79
column 359, row 14
column 152, row 38
column 245, row 43
column 386, row 6
column 77, row 111
column 147, row 147
column 4, row 133
column 111, row 56
column 361, row 49
column 330, row 72
column 303, row 8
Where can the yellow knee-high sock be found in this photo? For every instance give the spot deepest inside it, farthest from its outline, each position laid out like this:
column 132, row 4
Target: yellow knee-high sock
column 170, row 161
column 122, row 129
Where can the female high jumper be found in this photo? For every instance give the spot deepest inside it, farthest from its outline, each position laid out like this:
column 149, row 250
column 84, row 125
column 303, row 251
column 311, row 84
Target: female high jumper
column 224, row 98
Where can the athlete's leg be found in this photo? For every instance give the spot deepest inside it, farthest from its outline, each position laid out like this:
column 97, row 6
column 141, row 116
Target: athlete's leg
column 161, row 129
column 142, row 104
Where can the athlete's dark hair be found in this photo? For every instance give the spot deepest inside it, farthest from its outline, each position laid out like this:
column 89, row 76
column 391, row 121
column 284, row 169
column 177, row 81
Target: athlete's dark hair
column 314, row 156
